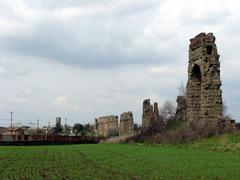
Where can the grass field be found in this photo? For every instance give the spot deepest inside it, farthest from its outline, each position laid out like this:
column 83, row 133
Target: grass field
column 215, row 158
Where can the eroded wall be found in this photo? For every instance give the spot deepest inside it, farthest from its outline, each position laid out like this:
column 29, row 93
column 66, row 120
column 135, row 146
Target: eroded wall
column 204, row 96
column 126, row 123
column 107, row 126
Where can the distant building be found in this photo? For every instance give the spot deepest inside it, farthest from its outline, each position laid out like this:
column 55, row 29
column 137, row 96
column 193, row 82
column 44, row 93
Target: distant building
column 3, row 130
column 15, row 131
column 58, row 121
column 39, row 131
column 13, row 134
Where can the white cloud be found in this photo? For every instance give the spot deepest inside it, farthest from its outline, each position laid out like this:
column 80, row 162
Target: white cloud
column 165, row 70
column 60, row 100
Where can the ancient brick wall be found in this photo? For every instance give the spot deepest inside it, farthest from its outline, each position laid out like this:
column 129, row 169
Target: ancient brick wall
column 147, row 115
column 126, row 123
column 204, row 96
column 151, row 117
column 181, row 111
column 107, row 126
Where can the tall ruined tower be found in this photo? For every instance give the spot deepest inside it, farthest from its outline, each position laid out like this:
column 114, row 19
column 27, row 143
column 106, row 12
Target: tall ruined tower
column 204, row 96
column 147, row 115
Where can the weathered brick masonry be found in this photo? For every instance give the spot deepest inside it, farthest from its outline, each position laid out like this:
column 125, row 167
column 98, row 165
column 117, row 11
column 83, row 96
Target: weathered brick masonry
column 204, row 96
column 126, row 123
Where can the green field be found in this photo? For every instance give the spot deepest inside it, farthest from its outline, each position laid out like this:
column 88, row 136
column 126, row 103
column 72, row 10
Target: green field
column 215, row 158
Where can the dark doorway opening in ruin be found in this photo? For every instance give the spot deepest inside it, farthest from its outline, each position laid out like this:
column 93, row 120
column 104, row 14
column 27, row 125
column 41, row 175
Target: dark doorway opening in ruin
column 195, row 91
column 209, row 50
column 196, row 73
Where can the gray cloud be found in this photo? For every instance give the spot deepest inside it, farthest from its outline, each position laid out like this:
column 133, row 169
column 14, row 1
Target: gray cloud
column 104, row 56
column 96, row 40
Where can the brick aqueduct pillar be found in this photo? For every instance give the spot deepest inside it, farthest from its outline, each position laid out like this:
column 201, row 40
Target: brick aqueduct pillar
column 204, row 96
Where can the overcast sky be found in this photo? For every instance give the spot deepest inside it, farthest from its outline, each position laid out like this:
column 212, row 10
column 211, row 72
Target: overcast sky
column 80, row 59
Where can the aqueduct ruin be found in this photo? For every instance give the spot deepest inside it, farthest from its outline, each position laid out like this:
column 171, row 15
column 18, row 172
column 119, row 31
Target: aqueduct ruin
column 204, row 96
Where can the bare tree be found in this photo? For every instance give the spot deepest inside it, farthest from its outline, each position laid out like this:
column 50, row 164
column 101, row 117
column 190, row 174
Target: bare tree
column 168, row 111
column 182, row 90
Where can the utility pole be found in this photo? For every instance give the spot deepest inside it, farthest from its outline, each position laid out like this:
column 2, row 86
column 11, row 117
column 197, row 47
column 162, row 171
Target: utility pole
column 65, row 121
column 11, row 121
column 38, row 123
column 49, row 124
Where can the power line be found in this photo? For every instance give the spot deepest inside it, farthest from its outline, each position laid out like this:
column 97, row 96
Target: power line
column 11, row 121
column 37, row 123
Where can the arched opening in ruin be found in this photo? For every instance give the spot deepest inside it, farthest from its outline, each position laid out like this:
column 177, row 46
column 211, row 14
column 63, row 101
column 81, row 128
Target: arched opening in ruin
column 195, row 88
column 209, row 50
column 196, row 73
